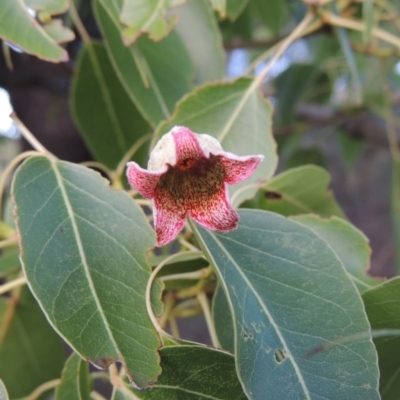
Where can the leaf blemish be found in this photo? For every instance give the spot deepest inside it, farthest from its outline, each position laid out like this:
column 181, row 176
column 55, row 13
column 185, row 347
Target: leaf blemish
column 279, row 355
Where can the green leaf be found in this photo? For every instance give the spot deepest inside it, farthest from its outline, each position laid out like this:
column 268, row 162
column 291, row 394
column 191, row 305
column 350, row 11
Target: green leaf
column 234, row 8
column 3, row 391
column 191, row 373
column 75, row 382
column 19, row 28
column 368, row 17
column 31, row 353
column 288, row 294
column 237, row 115
column 147, row 16
column 383, row 308
column 222, row 318
column 105, row 114
column 348, row 243
column 299, row 190
column 58, row 32
column 396, row 208
column 49, row 6
column 155, row 75
column 83, row 249
column 196, row 20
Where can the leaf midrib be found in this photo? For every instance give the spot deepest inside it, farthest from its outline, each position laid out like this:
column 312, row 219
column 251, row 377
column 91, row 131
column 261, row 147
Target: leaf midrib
column 81, row 251
column 269, row 316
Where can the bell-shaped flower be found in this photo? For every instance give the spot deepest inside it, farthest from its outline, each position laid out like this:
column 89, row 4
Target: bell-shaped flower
column 188, row 175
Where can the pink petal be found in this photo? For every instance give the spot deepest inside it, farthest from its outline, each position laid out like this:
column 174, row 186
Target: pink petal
column 169, row 220
column 237, row 169
column 215, row 212
column 186, row 144
column 143, row 181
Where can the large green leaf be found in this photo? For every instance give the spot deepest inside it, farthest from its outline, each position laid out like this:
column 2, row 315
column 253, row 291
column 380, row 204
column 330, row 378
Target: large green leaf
column 299, row 190
column 75, row 382
column 48, row 6
column 383, row 308
column 238, row 116
column 288, row 293
column 155, row 75
column 348, row 243
column 19, row 28
column 222, row 318
column 191, row 373
column 31, row 353
column 3, row 391
column 106, row 116
column 147, row 16
column 198, row 28
column 83, row 249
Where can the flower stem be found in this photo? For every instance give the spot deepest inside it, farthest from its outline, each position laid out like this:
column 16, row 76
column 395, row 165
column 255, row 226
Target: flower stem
column 12, row 285
column 96, row 396
column 199, row 274
column 202, row 298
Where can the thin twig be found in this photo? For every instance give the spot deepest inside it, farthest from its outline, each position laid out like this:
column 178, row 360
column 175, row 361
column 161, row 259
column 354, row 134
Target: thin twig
column 8, row 243
column 12, row 285
column 42, row 388
column 202, row 298
column 27, row 134
column 78, row 23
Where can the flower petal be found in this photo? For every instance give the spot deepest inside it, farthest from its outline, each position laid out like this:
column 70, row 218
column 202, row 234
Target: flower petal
column 237, row 169
column 169, row 220
column 143, row 181
column 215, row 212
column 186, row 144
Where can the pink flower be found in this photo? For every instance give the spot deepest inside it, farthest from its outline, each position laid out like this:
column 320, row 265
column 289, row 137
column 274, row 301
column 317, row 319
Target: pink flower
column 188, row 175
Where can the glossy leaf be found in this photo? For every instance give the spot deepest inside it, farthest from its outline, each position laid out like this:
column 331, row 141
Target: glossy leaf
column 31, row 353
column 29, row 36
column 191, row 373
column 237, row 115
column 222, row 318
column 299, row 190
column 83, row 249
column 234, row 8
column 198, row 29
column 383, row 308
column 106, row 116
column 289, row 293
column 48, row 6
column 155, row 75
column 3, row 391
column 58, row 32
column 147, row 16
column 348, row 243
column 74, row 380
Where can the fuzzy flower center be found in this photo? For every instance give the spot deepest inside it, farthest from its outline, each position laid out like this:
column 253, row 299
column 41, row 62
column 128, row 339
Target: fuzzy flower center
column 192, row 180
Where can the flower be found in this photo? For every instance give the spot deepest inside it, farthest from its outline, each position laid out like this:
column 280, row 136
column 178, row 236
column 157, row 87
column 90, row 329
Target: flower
column 187, row 175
